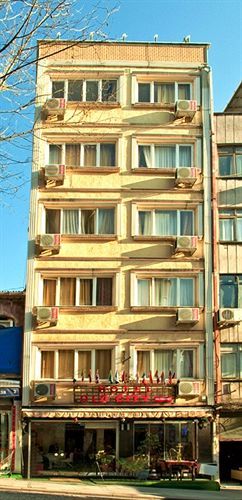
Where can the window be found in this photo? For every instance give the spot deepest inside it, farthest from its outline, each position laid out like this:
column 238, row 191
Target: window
column 83, row 155
column 231, row 291
column 230, row 225
column 86, row 221
column 66, row 292
column 158, row 92
column 230, row 161
column 63, row 364
column 231, row 361
column 165, row 222
column 178, row 361
column 86, row 90
column 160, row 156
column 165, row 292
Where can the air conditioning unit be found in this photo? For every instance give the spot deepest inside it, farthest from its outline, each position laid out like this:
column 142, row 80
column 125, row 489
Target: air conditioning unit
column 186, row 176
column 44, row 390
column 230, row 315
column 189, row 388
column 54, row 107
column 48, row 241
column 185, row 108
column 44, row 313
column 186, row 244
column 56, row 172
column 187, row 315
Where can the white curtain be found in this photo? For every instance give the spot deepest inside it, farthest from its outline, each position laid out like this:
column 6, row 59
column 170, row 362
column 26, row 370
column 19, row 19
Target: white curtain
column 186, row 363
column 55, row 154
column 186, row 292
column 145, row 223
column 145, row 156
column 87, row 221
column 239, row 229
column 106, row 221
column 165, row 291
column 70, row 221
column 165, row 223
column 165, row 361
column 186, row 222
column 143, row 292
column 184, row 91
column 239, row 164
column 164, row 92
column 228, row 362
column 165, row 157
column 185, row 156
column 226, row 232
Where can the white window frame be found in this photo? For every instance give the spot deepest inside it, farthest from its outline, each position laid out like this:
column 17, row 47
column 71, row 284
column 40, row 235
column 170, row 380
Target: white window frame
column 82, row 148
column 178, row 351
column 96, row 233
column 233, row 217
column 153, row 210
column 84, row 86
column 152, row 90
column 135, row 163
column 76, row 374
column 134, row 289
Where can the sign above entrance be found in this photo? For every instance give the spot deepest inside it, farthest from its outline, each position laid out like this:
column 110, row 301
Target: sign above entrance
column 124, row 394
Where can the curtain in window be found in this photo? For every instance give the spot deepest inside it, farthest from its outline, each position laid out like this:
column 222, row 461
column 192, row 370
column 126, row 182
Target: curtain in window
column 86, row 286
column 47, row 364
column 90, row 155
column 70, row 221
column 107, row 155
column 75, row 90
column 49, row 293
column 73, row 155
column 184, row 91
column 91, row 91
column 88, row 221
column 226, row 229
column 164, row 92
column 185, row 156
column 143, row 287
column 239, row 229
column 228, row 365
column 52, row 225
column 68, row 291
column 145, row 156
column 103, row 362
column 106, row 221
column 165, row 157
column 165, row 361
column 165, row 223
column 145, row 223
column 55, row 155
column 186, row 292
column 66, row 364
column 84, row 363
column 238, row 160
column 186, row 363
column 165, row 292
column 104, row 292
column 186, row 223
column 143, row 362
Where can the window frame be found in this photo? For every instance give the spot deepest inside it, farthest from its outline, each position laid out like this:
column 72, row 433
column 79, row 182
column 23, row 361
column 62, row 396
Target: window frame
column 84, row 89
column 153, row 229
column 236, row 350
column 161, row 82
column 81, row 166
column 234, row 216
column 153, row 145
column 231, row 151
column 178, row 351
column 234, row 280
column 135, row 277
column 80, row 235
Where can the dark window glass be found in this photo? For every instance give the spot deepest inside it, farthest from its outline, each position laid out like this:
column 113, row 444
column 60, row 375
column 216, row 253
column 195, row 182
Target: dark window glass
column 109, row 90
column 58, row 89
column 75, row 90
column 144, row 92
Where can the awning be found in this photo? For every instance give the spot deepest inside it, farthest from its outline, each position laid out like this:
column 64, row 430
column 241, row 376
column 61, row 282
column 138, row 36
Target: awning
column 112, row 413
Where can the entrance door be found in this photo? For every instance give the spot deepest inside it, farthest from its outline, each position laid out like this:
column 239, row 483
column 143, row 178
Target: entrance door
column 230, row 457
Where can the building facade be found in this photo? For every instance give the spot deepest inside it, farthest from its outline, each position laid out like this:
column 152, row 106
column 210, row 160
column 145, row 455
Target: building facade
column 118, row 326
column 228, row 276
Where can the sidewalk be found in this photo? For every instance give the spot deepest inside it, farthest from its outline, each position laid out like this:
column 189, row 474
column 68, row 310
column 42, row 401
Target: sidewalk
column 80, row 489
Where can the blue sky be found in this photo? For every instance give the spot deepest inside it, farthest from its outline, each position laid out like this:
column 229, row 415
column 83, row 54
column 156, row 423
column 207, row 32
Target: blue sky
column 218, row 22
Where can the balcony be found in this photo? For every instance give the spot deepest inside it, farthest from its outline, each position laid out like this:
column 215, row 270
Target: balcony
column 103, row 394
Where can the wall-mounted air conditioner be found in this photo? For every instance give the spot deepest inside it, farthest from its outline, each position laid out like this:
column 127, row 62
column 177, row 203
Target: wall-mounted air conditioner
column 186, row 244
column 230, row 315
column 186, row 176
column 44, row 314
column 187, row 315
column 44, row 390
column 54, row 107
column 185, row 108
column 56, row 172
column 189, row 388
column 48, row 241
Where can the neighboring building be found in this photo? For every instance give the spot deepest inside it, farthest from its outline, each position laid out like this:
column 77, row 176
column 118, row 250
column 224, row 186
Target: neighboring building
column 228, row 271
column 11, row 338
column 118, row 328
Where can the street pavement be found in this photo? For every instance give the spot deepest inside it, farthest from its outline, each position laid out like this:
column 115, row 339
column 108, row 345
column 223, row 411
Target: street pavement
column 21, row 489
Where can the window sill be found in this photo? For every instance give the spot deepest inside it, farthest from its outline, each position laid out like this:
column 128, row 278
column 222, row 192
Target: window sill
column 151, row 170
column 88, row 237
column 228, row 177
column 228, row 242
column 96, row 170
column 157, row 105
column 154, row 238
column 161, row 309
column 87, row 309
column 92, row 104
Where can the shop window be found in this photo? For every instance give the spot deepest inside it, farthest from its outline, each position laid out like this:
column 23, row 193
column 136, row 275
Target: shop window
column 165, row 93
column 165, row 292
column 231, row 291
column 230, row 161
column 230, row 225
column 231, row 361
column 160, row 156
column 165, row 222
